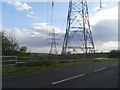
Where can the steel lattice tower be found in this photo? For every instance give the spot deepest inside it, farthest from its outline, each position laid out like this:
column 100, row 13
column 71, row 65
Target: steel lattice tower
column 78, row 36
column 53, row 49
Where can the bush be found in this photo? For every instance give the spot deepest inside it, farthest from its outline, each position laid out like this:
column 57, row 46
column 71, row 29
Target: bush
column 114, row 54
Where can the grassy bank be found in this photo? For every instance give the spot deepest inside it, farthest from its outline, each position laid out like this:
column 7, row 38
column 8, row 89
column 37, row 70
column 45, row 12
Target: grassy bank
column 18, row 69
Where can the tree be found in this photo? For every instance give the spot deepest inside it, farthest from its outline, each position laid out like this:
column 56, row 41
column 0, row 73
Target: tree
column 23, row 49
column 9, row 44
column 114, row 54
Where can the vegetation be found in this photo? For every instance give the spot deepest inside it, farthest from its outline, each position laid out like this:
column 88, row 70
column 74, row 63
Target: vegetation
column 44, row 66
column 114, row 54
column 10, row 45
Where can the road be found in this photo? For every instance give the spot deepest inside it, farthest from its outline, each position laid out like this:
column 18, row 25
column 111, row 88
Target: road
column 90, row 75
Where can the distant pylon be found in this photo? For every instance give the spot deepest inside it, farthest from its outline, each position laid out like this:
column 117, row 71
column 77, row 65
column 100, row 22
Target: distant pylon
column 53, row 48
column 78, row 36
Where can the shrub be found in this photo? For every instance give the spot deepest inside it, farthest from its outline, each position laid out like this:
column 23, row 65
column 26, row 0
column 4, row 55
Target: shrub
column 114, row 54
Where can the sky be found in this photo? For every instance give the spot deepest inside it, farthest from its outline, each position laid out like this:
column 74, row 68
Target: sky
column 30, row 23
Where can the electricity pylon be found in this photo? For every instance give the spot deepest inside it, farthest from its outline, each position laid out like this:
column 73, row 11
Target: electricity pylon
column 78, row 36
column 53, row 49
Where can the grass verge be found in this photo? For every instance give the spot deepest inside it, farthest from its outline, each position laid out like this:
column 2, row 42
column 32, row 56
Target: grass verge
column 15, row 69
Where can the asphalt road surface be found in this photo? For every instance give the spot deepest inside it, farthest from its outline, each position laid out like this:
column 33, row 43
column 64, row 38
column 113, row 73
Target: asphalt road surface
column 92, row 75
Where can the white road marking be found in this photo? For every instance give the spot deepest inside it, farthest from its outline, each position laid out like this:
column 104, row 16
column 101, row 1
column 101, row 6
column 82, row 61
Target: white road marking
column 68, row 79
column 100, row 69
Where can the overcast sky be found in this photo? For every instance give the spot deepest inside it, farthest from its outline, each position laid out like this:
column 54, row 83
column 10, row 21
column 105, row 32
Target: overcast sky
column 29, row 22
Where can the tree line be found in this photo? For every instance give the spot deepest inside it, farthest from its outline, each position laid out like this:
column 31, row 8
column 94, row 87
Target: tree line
column 114, row 54
column 10, row 45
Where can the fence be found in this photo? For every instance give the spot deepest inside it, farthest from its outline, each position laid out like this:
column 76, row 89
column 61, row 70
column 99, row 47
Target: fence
column 8, row 60
column 13, row 60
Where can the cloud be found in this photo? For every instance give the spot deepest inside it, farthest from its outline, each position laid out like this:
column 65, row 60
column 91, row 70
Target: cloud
column 105, row 29
column 98, row 7
column 45, row 27
column 37, row 24
column 35, row 37
column 33, row 15
column 44, row 49
column 30, row 15
column 34, row 34
column 15, row 32
column 106, row 46
column 111, row 13
column 31, row 12
column 20, row 6
column 24, row 6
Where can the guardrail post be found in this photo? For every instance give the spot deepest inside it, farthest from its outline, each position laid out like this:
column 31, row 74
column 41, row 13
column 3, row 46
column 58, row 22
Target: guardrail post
column 16, row 61
column 9, row 60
